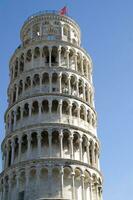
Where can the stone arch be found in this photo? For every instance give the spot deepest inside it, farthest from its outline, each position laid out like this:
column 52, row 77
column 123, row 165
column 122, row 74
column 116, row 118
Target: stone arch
column 73, row 82
column 14, row 93
column 33, row 144
column 35, row 108
column 55, row 144
column 87, row 181
column 71, row 59
column 84, row 67
column 44, row 186
column 45, row 54
column 75, row 109
column 84, row 148
column 55, row 182
column 94, row 188
column 36, row 52
column 78, row 185
column 54, row 56
column 27, row 82
column 24, row 145
column 45, row 82
column 12, row 119
column 18, row 113
column 26, row 110
column 45, row 143
column 93, row 120
column 79, row 67
column 63, row 57
column 82, row 112
column 64, row 83
column 91, row 149
column 96, row 154
column 80, row 85
column 88, row 116
column 66, row 32
column 36, row 80
column 20, row 87
column 34, row 140
column 76, row 152
column 21, row 63
column 13, row 185
column 55, row 82
column 10, row 153
column 65, row 107
column 87, row 93
column 68, row 182
column 66, row 143
column 45, row 106
column 22, row 181
column 16, row 147
column 16, row 68
column 28, row 56
column 55, row 105
column 32, row 181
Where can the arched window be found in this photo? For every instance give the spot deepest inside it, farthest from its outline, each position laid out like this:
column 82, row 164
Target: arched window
column 66, row 144
column 64, row 83
column 45, row 78
column 82, row 112
column 24, row 144
column 27, row 82
column 81, row 89
column 66, row 31
column 36, row 80
column 16, row 69
column 20, row 88
column 36, row 53
column 55, row 106
column 45, row 106
column 12, row 119
column 93, row 120
column 73, row 82
column 35, row 108
column 74, row 110
column 54, row 82
column 45, row 54
column 54, row 56
column 34, row 140
column 26, row 110
column 55, row 144
column 65, row 108
column 28, row 56
column 88, row 116
column 79, row 63
column 44, row 141
column 18, row 114
column 22, row 63
column 14, row 93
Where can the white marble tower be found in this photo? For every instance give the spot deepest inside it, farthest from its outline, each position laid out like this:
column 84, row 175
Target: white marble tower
column 50, row 150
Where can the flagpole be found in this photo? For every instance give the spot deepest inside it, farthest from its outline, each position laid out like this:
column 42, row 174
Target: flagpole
column 67, row 9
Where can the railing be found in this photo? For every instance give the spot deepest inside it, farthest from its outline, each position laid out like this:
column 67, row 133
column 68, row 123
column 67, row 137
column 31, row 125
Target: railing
column 45, row 118
column 44, row 12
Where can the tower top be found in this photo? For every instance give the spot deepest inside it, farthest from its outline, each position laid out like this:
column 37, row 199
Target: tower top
column 50, row 22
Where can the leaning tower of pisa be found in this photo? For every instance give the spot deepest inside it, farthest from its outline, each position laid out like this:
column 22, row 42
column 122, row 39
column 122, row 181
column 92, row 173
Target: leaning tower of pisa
column 50, row 150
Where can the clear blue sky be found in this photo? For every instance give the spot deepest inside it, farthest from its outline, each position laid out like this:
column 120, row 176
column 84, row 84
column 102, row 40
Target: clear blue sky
column 107, row 34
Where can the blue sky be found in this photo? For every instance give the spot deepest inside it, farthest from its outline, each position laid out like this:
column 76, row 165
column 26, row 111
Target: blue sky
column 107, row 34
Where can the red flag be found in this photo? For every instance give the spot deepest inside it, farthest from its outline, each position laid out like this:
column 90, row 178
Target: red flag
column 63, row 11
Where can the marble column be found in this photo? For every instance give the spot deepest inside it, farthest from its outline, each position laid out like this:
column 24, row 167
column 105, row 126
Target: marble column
column 61, row 143
column 73, row 185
